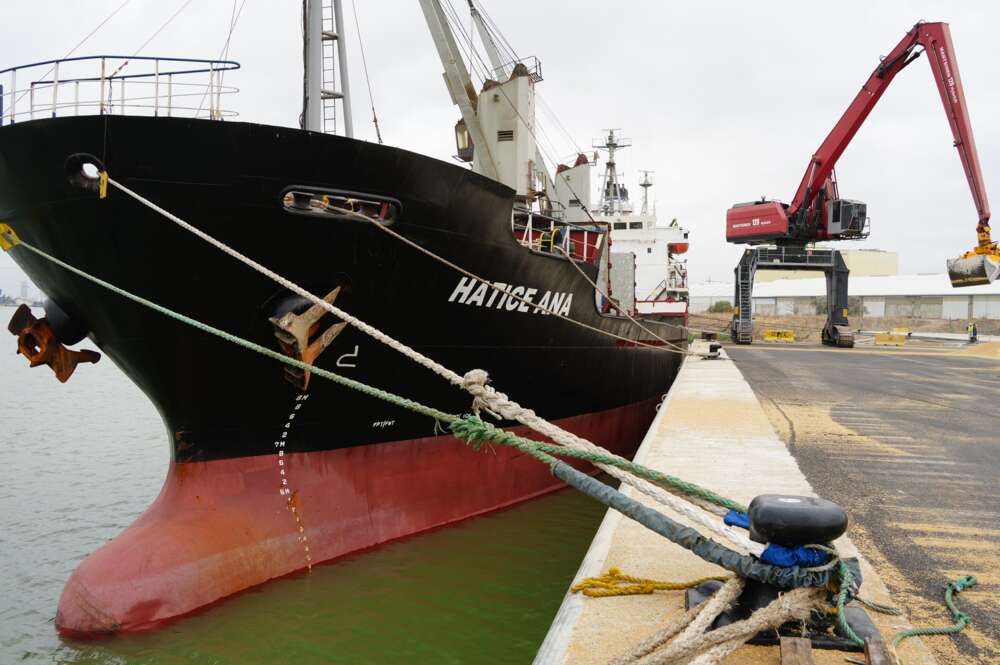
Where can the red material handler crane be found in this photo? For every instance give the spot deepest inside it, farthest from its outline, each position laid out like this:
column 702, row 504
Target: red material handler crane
column 818, row 213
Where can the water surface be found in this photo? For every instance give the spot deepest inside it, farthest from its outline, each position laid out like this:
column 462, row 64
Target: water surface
column 78, row 463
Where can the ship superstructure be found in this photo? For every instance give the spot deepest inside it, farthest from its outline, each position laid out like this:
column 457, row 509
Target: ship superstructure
column 661, row 287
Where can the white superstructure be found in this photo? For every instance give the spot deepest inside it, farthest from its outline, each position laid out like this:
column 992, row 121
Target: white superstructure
column 660, row 273
column 497, row 136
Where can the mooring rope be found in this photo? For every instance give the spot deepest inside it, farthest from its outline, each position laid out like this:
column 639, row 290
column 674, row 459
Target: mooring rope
column 685, row 638
column 488, row 398
column 372, row 331
column 713, row 646
column 960, row 618
column 601, row 456
column 846, row 591
column 720, row 600
column 475, row 382
column 471, row 275
column 470, row 428
column 356, row 322
column 616, row 583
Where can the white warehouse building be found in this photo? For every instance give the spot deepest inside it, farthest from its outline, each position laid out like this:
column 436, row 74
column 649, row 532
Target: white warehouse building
column 924, row 296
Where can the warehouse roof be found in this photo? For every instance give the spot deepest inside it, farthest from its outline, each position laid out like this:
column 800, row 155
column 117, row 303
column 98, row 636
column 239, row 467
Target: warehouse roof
column 936, row 284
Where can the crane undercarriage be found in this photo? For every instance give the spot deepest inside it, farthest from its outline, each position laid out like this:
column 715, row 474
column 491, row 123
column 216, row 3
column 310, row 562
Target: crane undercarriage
column 836, row 331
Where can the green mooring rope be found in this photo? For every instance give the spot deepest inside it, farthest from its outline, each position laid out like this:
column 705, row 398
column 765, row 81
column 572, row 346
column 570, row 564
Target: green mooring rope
column 960, row 618
column 843, row 596
column 469, row 428
column 477, row 432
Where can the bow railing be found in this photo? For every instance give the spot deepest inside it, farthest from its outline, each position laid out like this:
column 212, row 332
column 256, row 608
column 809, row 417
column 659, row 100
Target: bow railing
column 116, row 84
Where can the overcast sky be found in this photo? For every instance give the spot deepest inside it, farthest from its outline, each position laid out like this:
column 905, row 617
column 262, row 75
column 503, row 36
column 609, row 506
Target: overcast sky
column 725, row 101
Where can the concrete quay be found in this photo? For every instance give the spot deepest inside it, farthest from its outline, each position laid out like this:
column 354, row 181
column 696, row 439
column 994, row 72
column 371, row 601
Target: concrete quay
column 711, row 430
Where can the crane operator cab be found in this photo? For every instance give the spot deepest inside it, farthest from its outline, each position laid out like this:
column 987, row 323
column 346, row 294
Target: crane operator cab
column 846, row 218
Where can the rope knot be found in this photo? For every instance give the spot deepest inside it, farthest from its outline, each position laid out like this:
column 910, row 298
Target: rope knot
column 475, row 380
column 485, row 397
column 476, row 383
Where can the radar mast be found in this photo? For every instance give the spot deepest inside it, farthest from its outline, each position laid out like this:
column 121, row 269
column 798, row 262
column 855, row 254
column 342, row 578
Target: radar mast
column 645, row 183
column 614, row 195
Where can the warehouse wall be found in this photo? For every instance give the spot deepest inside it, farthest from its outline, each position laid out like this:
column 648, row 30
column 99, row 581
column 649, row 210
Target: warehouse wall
column 914, row 307
column 906, row 307
column 873, row 306
column 986, row 307
column 956, row 307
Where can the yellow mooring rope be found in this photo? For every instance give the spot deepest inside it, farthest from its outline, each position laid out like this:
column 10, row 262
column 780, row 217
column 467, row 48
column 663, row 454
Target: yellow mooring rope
column 616, row 583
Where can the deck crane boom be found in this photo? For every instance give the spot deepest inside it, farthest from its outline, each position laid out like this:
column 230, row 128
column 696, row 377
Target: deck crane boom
column 818, row 213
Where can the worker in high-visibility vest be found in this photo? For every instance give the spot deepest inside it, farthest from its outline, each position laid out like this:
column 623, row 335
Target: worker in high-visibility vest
column 973, row 332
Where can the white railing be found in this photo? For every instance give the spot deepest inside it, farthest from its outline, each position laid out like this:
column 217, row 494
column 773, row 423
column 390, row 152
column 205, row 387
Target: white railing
column 116, row 85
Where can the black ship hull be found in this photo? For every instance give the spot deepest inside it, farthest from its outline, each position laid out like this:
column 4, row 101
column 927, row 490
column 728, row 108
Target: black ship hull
column 349, row 458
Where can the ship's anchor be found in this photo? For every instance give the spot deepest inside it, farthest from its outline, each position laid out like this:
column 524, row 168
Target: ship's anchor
column 294, row 332
column 37, row 342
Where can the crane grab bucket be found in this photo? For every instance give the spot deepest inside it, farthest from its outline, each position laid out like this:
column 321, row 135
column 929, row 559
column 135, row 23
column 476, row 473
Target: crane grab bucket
column 973, row 269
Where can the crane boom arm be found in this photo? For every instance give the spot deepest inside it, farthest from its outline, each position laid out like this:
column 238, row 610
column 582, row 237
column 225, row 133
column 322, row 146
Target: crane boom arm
column 935, row 38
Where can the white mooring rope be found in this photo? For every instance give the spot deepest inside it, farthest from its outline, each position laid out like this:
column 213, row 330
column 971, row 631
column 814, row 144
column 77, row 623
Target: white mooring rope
column 511, row 296
column 475, row 383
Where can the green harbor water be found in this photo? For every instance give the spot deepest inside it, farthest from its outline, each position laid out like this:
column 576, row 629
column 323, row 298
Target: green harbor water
column 78, row 462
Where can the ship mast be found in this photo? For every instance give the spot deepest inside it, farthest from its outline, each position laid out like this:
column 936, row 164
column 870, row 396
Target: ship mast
column 324, row 44
column 645, row 183
column 613, row 193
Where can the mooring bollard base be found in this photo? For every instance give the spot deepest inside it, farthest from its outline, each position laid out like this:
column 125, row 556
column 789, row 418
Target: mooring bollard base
column 757, row 595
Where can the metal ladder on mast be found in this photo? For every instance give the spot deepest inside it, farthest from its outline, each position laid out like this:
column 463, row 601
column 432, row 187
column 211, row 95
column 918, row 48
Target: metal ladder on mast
column 331, row 93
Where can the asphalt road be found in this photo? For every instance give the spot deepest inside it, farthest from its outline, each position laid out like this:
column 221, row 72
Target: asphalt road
column 909, row 443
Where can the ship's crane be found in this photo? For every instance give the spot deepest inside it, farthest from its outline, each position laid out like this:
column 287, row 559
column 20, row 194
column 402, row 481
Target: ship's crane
column 817, row 212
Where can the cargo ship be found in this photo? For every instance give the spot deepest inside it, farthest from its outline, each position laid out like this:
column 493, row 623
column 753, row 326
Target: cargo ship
column 273, row 470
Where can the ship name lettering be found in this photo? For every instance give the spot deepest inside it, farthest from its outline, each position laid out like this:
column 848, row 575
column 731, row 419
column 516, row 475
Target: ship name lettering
column 499, row 287
column 510, row 297
column 512, row 303
column 479, row 295
column 528, row 295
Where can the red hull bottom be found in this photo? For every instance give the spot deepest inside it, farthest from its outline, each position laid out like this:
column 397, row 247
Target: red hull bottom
column 219, row 527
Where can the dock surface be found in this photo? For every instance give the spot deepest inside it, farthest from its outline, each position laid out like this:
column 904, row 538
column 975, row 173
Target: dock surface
column 711, row 430
column 908, row 442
